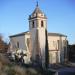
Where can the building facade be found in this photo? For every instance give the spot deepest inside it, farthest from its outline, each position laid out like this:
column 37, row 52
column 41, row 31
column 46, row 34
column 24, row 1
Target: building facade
column 34, row 40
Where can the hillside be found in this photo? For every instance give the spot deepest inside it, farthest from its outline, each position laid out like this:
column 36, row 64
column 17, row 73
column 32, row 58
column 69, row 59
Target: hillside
column 11, row 68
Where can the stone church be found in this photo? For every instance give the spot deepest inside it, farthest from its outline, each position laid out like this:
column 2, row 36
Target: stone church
column 36, row 40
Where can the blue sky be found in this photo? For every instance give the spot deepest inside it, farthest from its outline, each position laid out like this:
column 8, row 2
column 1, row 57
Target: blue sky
column 60, row 13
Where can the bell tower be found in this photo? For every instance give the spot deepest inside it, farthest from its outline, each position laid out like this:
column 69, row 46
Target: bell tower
column 38, row 28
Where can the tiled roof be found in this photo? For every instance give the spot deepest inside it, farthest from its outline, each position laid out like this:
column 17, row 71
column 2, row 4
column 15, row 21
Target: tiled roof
column 56, row 34
column 23, row 33
column 37, row 10
column 49, row 34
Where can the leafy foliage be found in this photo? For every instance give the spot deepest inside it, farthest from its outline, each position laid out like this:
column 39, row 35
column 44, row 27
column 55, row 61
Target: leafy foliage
column 3, row 45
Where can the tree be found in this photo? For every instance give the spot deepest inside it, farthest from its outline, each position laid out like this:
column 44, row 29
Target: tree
column 3, row 45
column 46, row 51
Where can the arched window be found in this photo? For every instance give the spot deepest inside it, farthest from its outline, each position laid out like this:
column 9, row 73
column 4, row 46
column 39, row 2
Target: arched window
column 17, row 44
column 33, row 24
column 28, row 42
column 42, row 24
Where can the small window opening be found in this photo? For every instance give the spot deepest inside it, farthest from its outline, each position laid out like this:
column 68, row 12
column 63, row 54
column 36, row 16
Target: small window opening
column 33, row 24
column 41, row 23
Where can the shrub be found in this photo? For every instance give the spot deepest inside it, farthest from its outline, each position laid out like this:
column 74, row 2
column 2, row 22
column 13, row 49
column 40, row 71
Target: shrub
column 8, row 68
